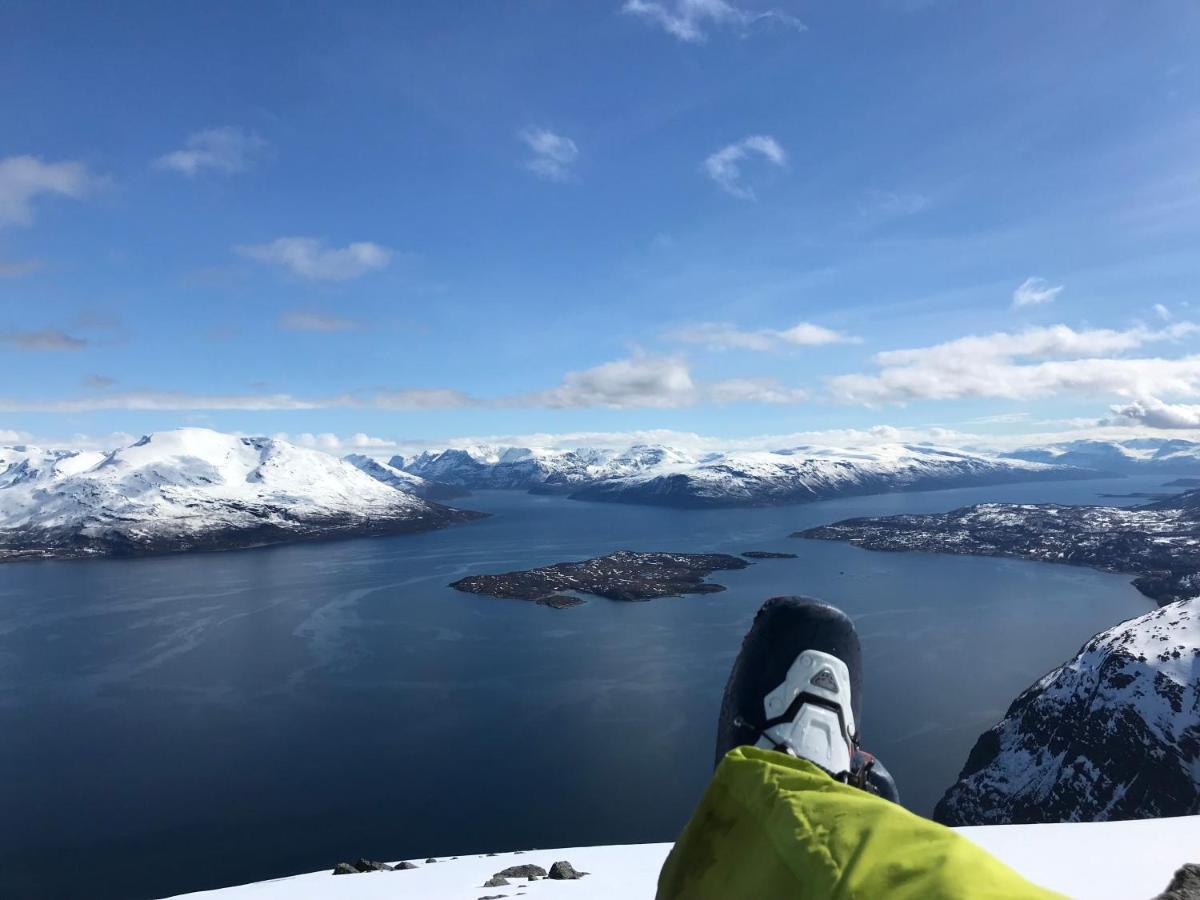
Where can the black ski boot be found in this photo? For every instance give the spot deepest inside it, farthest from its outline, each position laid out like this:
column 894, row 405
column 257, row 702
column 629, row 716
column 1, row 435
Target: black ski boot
column 796, row 687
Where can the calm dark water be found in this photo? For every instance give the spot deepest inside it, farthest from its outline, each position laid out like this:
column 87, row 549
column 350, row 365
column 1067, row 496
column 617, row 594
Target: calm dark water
column 180, row 723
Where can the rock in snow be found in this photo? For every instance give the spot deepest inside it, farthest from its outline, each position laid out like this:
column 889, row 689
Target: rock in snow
column 193, row 489
column 668, row 477
column 1112, row 734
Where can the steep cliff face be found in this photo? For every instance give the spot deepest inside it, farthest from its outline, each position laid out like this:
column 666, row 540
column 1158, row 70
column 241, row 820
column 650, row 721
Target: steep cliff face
column 1112, row 734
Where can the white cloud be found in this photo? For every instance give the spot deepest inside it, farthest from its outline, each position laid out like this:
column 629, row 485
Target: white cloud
column 688, row 19
column 653, row 382
column 725, row 166
column 1154, row 413
column 1034, row 291
column 722, row 336
column 305, row 320
column 225, row 149
column 22, row 178
column 1162, row 312
column 656, row 382
column 1032, row 363
column 43, row 339
column 752, row 390
column 310, row 258
column 554, row 155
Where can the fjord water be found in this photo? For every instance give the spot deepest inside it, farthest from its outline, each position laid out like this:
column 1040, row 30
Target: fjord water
column 172, row 724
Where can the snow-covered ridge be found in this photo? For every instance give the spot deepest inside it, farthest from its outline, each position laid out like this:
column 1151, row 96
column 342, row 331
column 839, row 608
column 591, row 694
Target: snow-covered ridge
column 1106, row 861
column 667, row 476
column 1112, row 734
column 1140, row 455
column 192, row 488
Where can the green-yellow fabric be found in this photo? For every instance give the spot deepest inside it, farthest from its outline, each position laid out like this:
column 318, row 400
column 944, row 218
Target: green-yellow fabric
column 771, row 825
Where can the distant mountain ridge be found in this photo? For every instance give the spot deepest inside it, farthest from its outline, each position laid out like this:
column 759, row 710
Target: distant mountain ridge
column 667, row 476
column 193, row 489
column 1131, row 457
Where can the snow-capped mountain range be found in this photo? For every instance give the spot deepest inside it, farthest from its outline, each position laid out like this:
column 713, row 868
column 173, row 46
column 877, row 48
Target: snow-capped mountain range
column 1141, row 455
column 1112, row 734
column 193, row 489
column 667, row 476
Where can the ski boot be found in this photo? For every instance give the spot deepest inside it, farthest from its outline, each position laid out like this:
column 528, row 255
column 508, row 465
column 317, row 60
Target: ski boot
column 796, row 687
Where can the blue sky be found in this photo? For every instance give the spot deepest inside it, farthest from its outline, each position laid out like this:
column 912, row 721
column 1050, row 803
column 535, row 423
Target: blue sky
column 423, row 221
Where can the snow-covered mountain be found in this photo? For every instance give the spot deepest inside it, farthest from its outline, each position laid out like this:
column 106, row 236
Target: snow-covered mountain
column 392, row 474
column 1142, row 455
column 1112, row 734
column 193, row 489
column 667, row 476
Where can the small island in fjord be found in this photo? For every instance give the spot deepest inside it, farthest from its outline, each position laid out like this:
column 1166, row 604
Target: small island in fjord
column 624, row 575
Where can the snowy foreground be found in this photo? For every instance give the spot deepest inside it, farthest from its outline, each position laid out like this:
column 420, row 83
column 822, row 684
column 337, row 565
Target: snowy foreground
column 1118, row 860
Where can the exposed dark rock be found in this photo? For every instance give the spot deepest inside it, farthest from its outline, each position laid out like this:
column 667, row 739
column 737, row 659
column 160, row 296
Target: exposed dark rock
column 431, row 860
column 559, row 601
column 1159, row 542
column 522, row 871
column 496, row 881
column 493, row 896
column 767, row 554
column 370, row 865
column 1185, row 885
column 564, row 871
column 404, row 865
column 624, row 575
column 364, row 865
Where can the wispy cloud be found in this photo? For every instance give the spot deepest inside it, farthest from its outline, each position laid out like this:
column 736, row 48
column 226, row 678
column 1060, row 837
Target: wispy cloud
column 638, row 382
column 17, row 268
column 1034, row 291
column 725, row 166
column 1032, row 363
column 893, row 204
column 24, row 178
column 689, row 20
column 99, row 381
column 309, row 257
column 306, row 320
column 225, row 149
column 723, row 336
column 44, row 339
column 554, row 155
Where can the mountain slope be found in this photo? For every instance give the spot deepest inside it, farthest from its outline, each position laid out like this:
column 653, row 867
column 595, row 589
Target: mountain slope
column 805, row 474
column 669, row 477
column 1138, row 456
column 1112, row 734
column 193, row 489
column 1158, row 542
column 394, row 476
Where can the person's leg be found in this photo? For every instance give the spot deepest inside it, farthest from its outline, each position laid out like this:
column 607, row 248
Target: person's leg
column 782, row 819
